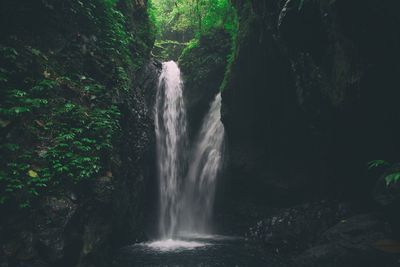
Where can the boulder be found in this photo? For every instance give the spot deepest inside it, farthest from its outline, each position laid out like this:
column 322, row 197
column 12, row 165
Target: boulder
column 296, row 229
column 352, row 242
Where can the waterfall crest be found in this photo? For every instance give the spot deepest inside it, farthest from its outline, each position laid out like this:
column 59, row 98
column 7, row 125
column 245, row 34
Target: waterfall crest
column 187, row 177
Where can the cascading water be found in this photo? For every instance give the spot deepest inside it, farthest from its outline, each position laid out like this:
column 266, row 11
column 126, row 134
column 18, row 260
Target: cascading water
column 187, row 182
column 170, row 124
column 204, row 165
column 187, row 188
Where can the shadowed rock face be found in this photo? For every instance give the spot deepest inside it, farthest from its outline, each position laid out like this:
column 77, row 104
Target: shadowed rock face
column 203, row 69
column 311, row 98
column 356, row 241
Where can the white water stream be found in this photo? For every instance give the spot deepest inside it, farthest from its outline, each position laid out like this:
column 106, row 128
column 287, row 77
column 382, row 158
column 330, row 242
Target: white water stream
column 187, row 176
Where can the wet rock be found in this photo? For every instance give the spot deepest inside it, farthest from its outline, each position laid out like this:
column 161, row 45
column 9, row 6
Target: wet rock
column 42, row 237
column 387, row 195
column 349, row 255
column 203, row 69
column 368, row 227
column 310, row 100
column 103, row 189
column 135, row 169
column 295, row 229
column 50, row 228
column 352, row 242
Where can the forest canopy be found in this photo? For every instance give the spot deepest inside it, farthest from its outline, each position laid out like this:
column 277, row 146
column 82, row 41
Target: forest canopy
column 191, row 18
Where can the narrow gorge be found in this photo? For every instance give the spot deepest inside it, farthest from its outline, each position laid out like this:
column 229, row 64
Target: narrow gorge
column 184, row 133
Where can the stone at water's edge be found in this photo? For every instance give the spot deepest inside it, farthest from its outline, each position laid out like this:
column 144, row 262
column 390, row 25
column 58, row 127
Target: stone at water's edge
column 293, row 230
column 327, row 234
column 352, row 242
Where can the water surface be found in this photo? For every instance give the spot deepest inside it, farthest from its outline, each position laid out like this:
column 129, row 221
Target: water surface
column 200, row 251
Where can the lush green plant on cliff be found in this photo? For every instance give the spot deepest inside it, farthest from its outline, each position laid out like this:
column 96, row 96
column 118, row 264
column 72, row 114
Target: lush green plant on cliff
column 53, row 141
column 392, row 174
column 59, row 120
column 231, row 56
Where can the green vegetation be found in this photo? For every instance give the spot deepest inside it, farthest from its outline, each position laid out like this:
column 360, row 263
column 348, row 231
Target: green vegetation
column 193, row 17
column 60, row 93
column 301, row 4
column 187, row 21
column 59, row 119
column 392, row 171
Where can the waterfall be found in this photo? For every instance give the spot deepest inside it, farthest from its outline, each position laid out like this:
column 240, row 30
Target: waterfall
column 187, row 177
column 205, row 163
column 171, row 136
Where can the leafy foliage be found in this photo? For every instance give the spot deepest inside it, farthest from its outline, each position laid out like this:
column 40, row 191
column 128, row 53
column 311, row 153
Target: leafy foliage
column 192, row 17
column 377, row 164
column 59, row 119
column 392, row 174
column 64, row 139
column 392, row 178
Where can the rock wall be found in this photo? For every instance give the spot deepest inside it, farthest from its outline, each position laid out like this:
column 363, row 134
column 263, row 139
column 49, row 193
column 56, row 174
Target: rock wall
column 203, row 66
column 311, row 98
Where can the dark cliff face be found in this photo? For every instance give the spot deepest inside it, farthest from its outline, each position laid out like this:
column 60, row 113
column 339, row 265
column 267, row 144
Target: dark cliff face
column 203, row 66
column 73, row 222
column 312, row 98
column 137, row 176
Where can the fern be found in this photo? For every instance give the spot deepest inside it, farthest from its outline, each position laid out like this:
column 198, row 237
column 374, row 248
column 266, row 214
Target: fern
column 392, row 178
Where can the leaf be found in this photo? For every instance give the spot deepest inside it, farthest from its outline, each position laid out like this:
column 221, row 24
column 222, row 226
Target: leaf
column 33, row 174
column 24, row 205
column 4, row 123
column 35, row 52
column 41, row 124
column 3, row 199
column 392, row 178
column 19, row 110
column 46, row 74
column 377, row 163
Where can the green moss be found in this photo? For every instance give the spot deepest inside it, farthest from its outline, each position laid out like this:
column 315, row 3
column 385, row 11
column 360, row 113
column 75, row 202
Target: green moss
column 192, row 45
column 204, row 60
column 232, row 55
column 165, row 50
